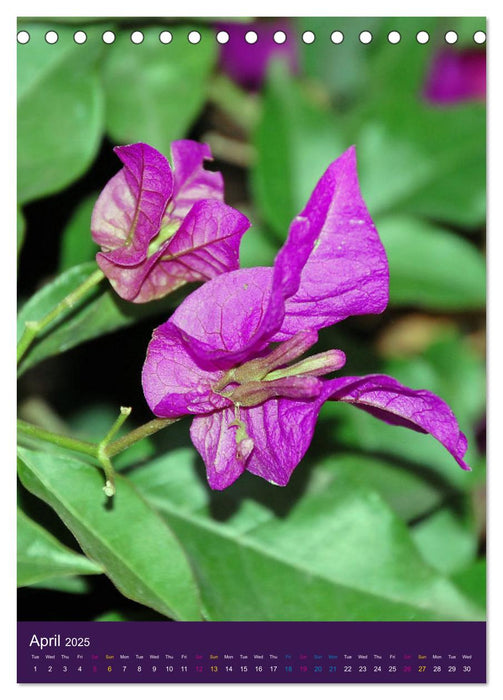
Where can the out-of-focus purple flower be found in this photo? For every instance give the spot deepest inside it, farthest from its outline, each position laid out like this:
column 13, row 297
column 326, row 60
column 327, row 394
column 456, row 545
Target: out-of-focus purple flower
column 159, row 227
column 231, row 353
column 247, row 63
column 457, row 76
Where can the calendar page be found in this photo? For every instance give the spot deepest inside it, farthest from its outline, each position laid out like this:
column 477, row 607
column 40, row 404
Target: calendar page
column 251, row 350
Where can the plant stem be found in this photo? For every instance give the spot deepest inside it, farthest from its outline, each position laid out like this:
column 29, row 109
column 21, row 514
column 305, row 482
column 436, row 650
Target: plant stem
column 153, row 426
column 69, row 443
column 34, row 328
column 104, row 459
column 105, row 449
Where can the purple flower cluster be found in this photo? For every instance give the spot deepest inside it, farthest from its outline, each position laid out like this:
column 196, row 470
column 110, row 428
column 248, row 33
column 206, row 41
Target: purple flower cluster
column 232, row 354
column 159, row 227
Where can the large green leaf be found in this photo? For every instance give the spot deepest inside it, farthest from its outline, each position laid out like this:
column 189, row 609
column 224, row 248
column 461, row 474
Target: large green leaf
column 60, row 110
column 446, row 541
column 333, row 551
column 431, row 267
column 154, row 91
column 99, row 313
column 40, row 556
column 77, row 245
column 472, row 581
column 135, row 547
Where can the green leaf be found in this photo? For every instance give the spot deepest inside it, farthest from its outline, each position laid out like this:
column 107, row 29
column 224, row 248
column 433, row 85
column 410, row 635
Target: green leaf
column 77, row 585
column 257, row 249
column 408, row 494
column 40, row 556
column 296, row 140
column 60, row 110
column 342, row 69
column 421, row 160
column 100, row 313
column 431, row 267
column 155, row 91
column 77, row 245
column 472, row 581
column 331, row 550
column 137, row 550
column 446, row 541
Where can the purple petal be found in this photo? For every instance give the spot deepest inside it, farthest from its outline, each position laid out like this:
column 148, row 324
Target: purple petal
column 224, row 319
column 346, row 273
column 234, row 316
column 192, row 182
column 205, row 246
column 281, row 430
column 129, row 211
column 387, row 399
column 174, row 384
column 215, row 440
column 278, row 434
column 457, row 76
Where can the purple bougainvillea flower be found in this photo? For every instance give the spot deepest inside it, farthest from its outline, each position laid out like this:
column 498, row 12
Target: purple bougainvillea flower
column 247, row 63
column 457, row 76
column 159, row 227
column 231, row 353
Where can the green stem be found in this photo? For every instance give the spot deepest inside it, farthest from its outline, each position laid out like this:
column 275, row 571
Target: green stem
column 105, row 449
column 153, row 426
column 104, row 459
column 69, row 443
column 34, row 328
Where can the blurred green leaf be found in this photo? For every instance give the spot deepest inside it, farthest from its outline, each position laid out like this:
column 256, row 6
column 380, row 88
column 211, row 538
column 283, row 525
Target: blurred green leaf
column 342, row 69
column 446, row 541
column 408, row 494
column 77, row 245
column 40, row 556
column 77, row 585
column 155, row 91
column 335, row 553
column 296, row 140
column 112, row 616
column 60, row 110
column 100, row 313
column 257, row 249
column 431, row 267
column 137, row 550
column 472, row 581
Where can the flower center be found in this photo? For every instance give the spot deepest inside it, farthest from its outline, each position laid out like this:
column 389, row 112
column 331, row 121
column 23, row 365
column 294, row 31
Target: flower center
column 274, row 375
